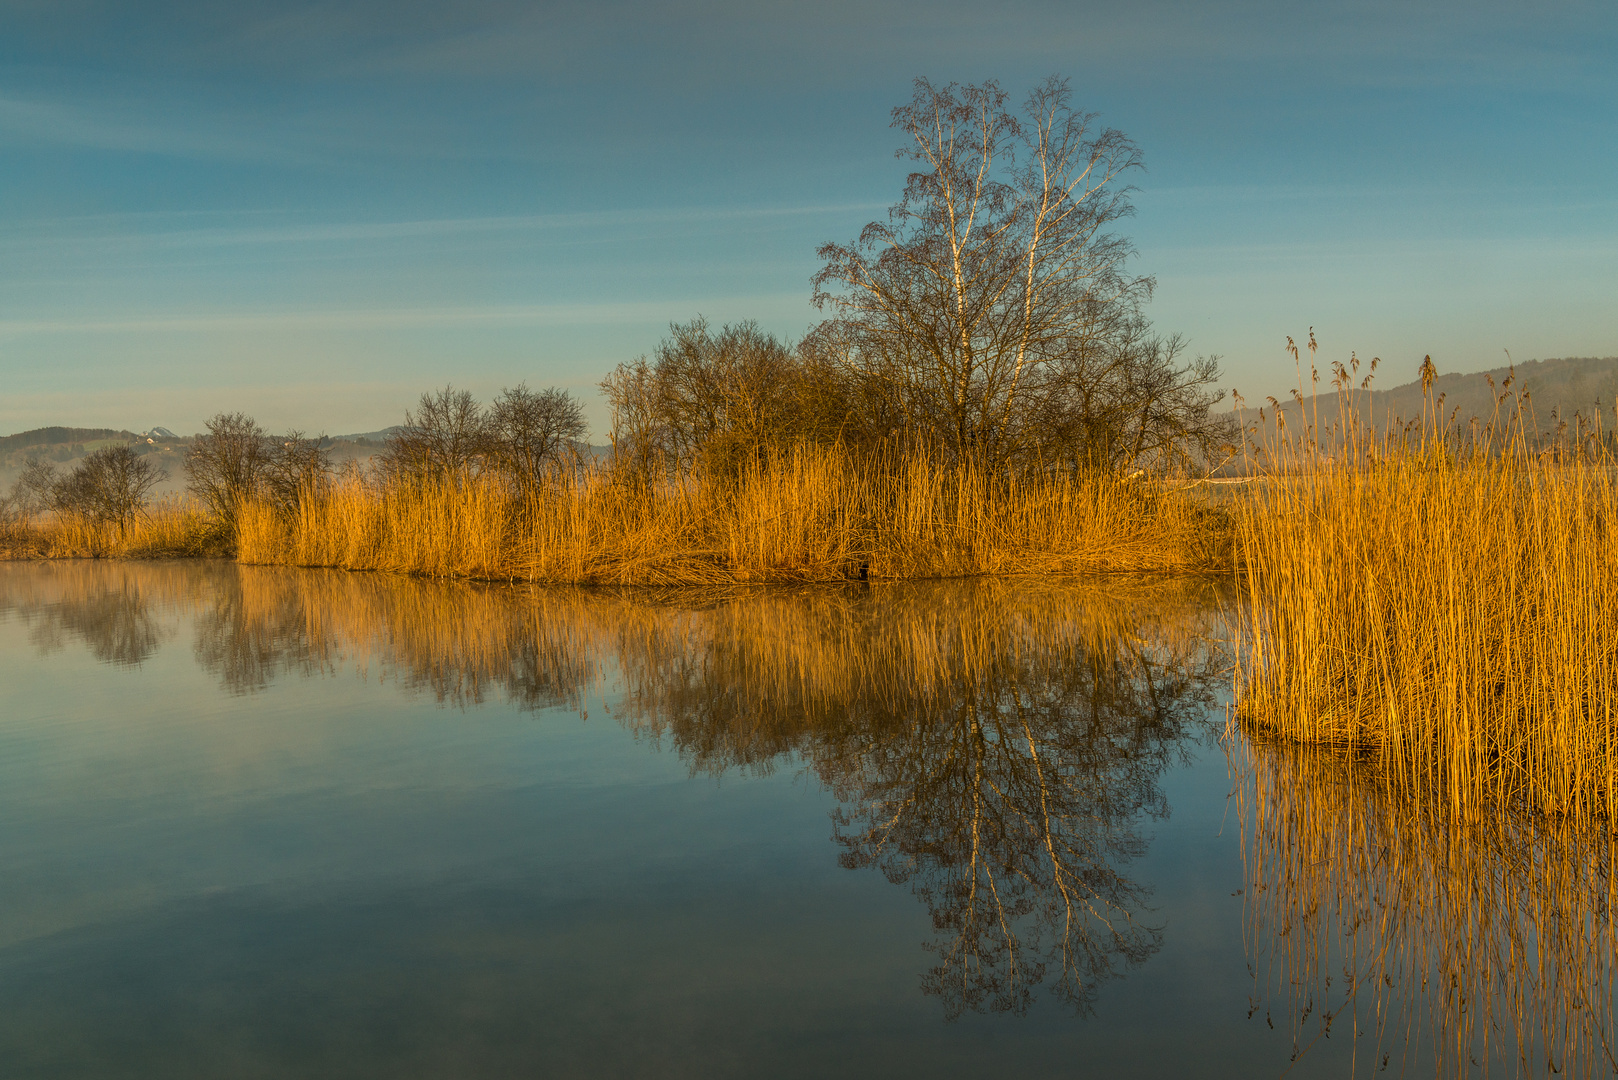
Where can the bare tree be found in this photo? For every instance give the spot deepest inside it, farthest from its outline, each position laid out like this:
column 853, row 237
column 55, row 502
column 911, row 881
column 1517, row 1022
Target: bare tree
column 990, row 268
column 294, row 466
column 109, row 486
column 1127, row 398
column 528, row 431
column 640, row 433
column 447, row 434
column 35, row 490
column 712, row 400
column 225, row 465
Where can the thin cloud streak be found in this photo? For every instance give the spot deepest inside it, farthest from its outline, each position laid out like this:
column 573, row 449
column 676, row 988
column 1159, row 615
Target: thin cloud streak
column 105, row 129
column 436, row 227
column 383, row 318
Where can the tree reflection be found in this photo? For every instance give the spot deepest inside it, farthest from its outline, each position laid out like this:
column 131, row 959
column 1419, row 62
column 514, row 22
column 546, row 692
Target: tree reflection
column 464, row 644
column 113, row 613
column 1012, row 801
column 259, row 627
column 996, row 747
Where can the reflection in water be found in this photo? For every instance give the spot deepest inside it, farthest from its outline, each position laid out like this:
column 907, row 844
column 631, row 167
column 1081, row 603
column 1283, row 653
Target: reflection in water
column 996, row 746
column 1487, row 940
column 461, row 642
column 118, row 614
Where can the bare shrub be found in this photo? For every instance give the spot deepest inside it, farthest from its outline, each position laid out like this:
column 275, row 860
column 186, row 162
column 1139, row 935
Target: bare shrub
column 294, row 467
column 528, row 431
column 447, row 433
column 714, row 401
column 225, row 464
column 109, row 486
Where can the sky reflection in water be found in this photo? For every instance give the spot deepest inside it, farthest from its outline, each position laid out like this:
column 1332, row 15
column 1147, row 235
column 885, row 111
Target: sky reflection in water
column 261, row 821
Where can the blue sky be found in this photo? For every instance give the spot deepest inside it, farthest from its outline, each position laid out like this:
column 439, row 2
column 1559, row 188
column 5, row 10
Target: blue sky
column 314, row 211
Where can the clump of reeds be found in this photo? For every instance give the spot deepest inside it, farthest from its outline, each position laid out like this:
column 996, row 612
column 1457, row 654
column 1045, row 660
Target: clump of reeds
column 1441, row 597
column 809, row 514
column 170, row 527
column 1420, row 936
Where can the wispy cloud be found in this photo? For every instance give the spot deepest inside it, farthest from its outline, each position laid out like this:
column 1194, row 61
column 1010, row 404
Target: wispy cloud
column 179, row 231
column 583, row 314
column 128, row 130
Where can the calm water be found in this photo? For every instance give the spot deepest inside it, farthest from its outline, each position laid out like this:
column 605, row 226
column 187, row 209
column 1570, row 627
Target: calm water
column 259, row 822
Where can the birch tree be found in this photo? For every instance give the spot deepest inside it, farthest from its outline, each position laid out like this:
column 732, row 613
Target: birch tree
column 996, row 263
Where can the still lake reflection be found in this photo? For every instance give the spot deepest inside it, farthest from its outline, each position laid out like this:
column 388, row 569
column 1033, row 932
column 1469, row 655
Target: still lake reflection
column 257, row 821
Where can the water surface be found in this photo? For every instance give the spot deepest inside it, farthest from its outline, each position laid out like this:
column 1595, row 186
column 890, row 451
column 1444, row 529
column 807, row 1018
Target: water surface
column 266, row 822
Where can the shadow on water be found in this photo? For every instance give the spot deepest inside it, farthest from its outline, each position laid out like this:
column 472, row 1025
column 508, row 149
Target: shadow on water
column 998, row 748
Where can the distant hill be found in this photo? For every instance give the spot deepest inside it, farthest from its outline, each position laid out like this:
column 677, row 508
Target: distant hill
column 1557, row 390
column 53, row 436
column 368, row 436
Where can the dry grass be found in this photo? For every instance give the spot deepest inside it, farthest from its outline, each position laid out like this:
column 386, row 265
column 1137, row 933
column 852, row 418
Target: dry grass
column 171, row 527
column 811, row 515
column 1419, row 937
column 1444, row 601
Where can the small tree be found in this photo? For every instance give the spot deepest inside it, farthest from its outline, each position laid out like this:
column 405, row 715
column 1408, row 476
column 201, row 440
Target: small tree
column 226, row 463
column 712, row 400
column 294, row 466
column 109, row 486
column 1127, row 398
column 447, row 434
column 529, row 431
column 35, row 490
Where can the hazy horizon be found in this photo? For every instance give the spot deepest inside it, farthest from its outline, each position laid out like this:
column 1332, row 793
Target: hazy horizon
column 314, row 213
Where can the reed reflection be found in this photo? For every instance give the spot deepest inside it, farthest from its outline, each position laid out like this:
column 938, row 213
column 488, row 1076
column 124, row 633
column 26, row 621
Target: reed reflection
column 1476, row 942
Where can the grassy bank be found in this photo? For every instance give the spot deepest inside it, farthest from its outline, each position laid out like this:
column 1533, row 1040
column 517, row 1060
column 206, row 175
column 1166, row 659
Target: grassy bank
column 811, row 515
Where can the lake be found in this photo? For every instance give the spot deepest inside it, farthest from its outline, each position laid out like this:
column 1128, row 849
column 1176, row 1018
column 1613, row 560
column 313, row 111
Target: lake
column 270, row 822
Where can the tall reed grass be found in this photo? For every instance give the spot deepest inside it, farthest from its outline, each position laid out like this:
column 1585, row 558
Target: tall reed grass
column 807, row 515
column 171, row 527
column 1443, row 600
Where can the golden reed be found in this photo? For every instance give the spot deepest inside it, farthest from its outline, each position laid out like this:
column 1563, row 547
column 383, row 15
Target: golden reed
column 171, row 527
column 1441, row 600
column 806, row 515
